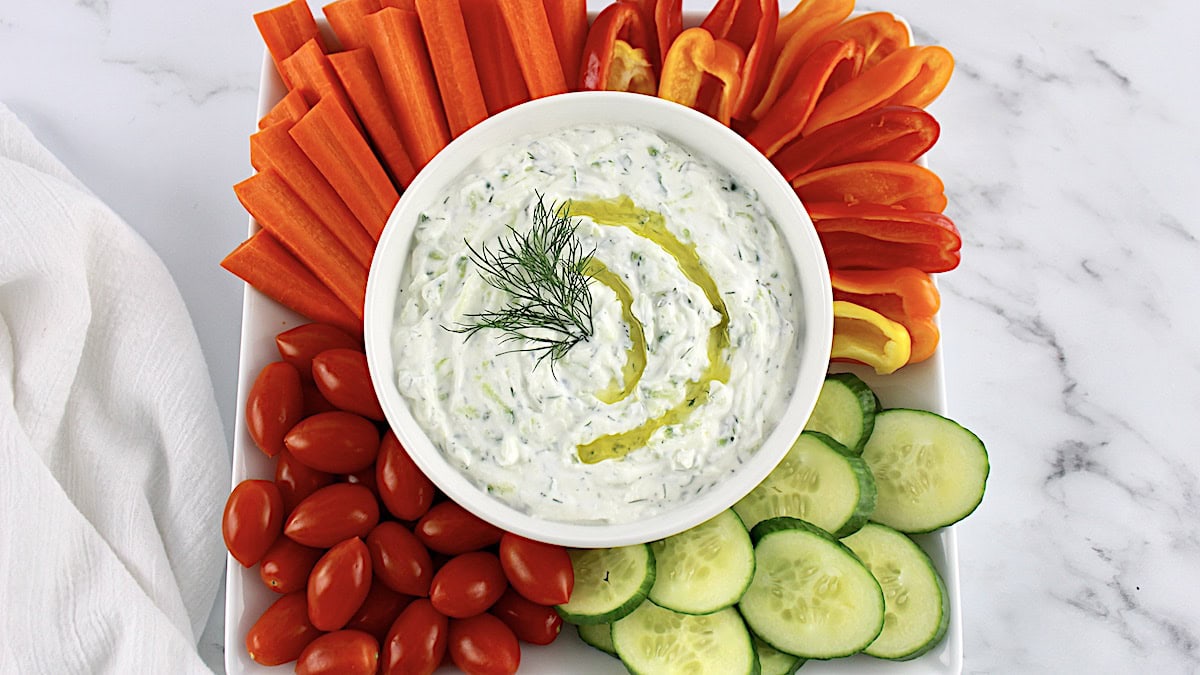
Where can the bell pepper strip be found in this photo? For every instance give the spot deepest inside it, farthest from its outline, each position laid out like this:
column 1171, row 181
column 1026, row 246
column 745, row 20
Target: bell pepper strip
column 395, row 38
column 278, row 150
column 668, row 24
column 800, row 32
column 937, row 64
column 279, row 211
column 311, row 74
column 693, row 55
column 787, row 117
column 360, row 77
column 868, row 236
column 616, row 54
column 345, row 19
column 865, row 336
column 880, row 86
column 495, row 59
column 878, row 33
column 286, row 28
column 288, row 109
column 342, row 155
column 529, row 29
column 897, row 133
column 896, row 184
column 450, row 53
column 751, row 25
column 569, row 26
column 905, row 295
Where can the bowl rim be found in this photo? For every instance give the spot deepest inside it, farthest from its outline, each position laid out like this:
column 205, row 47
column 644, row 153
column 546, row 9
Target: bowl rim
column 702, row 136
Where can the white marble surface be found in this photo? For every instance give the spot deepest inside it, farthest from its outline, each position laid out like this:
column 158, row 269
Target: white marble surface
column 1070, row 155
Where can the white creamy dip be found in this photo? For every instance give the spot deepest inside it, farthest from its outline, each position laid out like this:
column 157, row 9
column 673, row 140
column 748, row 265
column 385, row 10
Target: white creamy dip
column 515, row 427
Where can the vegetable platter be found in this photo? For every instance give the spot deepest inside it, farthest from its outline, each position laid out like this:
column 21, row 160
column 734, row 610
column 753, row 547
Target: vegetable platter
column 906, row 371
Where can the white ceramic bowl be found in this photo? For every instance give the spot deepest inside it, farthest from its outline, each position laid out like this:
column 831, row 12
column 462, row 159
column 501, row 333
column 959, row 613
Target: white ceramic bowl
column 703, row 137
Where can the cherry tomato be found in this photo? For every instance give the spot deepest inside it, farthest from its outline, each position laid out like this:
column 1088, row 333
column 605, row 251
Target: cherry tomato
column 338, row 584
column 451, row 529
column 334, row 442
column 299, row 345
column 252, row 521
column 483, row 645
column 540, row 572
column 274, row 405
column 379, row 610
column 529, row 621
column 467, row 584
column 332, row 514
column 365, row 478
column 399, row 559
column 343, row 377
column 282, row 632
column 405, row 490
column 286, row 565
column 416, row 642
column 296, row 481
column 345, row 652
column 314, row 400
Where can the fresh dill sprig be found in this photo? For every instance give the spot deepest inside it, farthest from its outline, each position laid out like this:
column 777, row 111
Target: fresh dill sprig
column 544, row 273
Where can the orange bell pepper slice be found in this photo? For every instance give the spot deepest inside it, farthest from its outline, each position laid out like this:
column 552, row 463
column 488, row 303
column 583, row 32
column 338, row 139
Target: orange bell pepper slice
column 898, row 133
column 878, row 33
column 693, row 55
column 905, row 295
column 751, row 25
column 616, row 56
column 799, row 33
column 897, row 184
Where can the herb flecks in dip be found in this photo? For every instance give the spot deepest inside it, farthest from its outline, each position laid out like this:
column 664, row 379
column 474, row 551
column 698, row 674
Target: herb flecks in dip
column 693, row 347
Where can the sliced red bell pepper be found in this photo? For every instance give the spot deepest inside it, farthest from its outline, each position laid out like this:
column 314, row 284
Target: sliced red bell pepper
column 694, row 54
column 866, row 236
column 898, row 133
column 879, row 34
column 751, row 25
column 799, row 33
column 810, row 18
column 887, row 183
column 905, row 295
column 617, row 53
column 789, row 114
column 668, row 24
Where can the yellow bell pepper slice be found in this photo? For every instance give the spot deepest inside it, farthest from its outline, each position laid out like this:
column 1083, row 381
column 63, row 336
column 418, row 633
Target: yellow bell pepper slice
column 866, row 336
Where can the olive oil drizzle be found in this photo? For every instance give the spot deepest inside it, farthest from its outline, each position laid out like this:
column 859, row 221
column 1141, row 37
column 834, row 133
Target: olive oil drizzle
column 635, row 356
column 622, row 212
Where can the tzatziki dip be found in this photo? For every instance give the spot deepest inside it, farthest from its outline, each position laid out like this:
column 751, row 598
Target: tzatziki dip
column 692, row 317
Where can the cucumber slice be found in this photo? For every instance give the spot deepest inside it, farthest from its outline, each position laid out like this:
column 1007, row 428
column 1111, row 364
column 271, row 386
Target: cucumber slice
column 811, row 597
column 845, row 411
column 774, row 662
column 704, row 569
column 656, row 640
column 819, row 481
column 929, row 471
column 609, row 583
column 916, row 610
column 598, row 635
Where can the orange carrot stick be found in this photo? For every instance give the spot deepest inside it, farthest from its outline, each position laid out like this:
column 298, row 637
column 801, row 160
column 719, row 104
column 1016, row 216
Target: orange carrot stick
column 285, row 29
column 395, row 38
column 450, row 52
column 280, row 152
column 360, row 77
column 407, row 5
column 495, row 58
column 288, row 109
column 267, row 266
column 310, row 72
column 569, row 26
column 345, row 18
column 328, row 136
column 529, row 29
column 280, row 211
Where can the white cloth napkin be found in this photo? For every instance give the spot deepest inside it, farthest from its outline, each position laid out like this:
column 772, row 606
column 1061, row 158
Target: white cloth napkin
column 113, row 464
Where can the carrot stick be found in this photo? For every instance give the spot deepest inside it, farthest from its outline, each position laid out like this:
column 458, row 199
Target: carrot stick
column 450, row 52
column 529, row 29
column 288, row 109
column 345, row 18
column 569, row 26
column 328, row 136
column 285, row 29
column 395, row 38
column 280, row 211
column 495, row 59
column 310, row 72
column 407, row 5
column 360, row 77
column 280, row 152
column 267, row 266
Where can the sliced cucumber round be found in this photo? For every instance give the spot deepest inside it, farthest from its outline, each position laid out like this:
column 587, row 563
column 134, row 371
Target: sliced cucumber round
column 916, row 610
column 819, row 481
column 656, row 640
column 774, row 662
column 929, row 471
column 704, row 569
column 609, row 583
column 845, row 410
column 598, row 635
column 811, row 597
